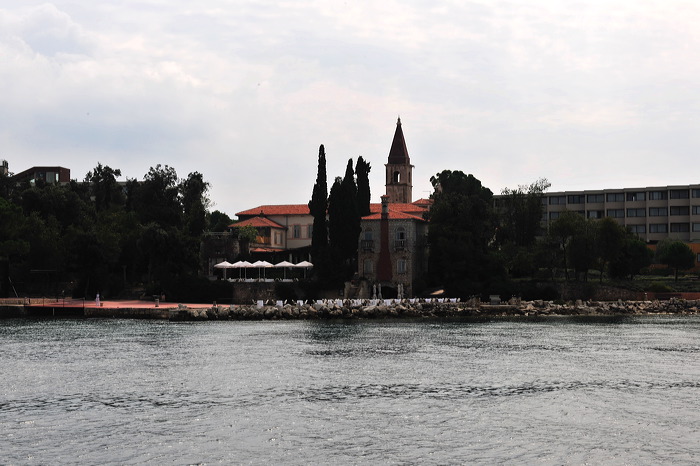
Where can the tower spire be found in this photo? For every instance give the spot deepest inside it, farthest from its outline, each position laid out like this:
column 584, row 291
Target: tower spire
column 399, row 171
column 398, row 154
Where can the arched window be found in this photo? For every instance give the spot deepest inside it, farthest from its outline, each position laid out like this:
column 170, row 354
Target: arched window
column 397, row 177
column 400, row 233
column 368, row 235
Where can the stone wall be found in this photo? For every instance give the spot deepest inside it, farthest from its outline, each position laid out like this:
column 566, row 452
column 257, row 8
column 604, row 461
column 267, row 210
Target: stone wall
column 371, row 309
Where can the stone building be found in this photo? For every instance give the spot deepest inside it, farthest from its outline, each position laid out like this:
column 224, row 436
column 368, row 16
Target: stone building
column 392, row 250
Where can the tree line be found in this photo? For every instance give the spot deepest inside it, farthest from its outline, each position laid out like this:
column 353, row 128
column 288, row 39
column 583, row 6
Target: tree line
column 101, row 235
column 477, row 245
column 104, row 236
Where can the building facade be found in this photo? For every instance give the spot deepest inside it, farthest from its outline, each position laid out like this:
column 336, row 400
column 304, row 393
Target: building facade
column 392, row 249
column 652, row 213
column 284, row 229
column 48, row 175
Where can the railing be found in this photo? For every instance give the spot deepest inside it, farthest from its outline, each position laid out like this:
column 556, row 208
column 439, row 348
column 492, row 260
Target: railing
column 263, row 240
column 367, row 244
column 399, row 244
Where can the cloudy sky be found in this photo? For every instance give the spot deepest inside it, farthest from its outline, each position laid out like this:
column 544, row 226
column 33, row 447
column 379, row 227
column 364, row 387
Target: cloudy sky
column 589, row 94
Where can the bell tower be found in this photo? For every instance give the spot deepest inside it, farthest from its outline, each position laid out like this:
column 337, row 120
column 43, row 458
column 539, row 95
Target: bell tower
column 399, row 171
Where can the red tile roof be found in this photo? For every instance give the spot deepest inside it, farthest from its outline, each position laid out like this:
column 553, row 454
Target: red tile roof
column 394, row 215
column 278, row 209
column 417, row 208
column 257, row 222
column 424, row 202
column 398, row 207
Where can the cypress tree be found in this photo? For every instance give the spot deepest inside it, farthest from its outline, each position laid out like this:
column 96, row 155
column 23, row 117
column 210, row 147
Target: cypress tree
column 318, row 206
column 362, row 170
column 344, row 217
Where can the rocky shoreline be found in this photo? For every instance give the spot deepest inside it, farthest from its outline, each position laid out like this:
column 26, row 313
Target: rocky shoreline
column 431, row 309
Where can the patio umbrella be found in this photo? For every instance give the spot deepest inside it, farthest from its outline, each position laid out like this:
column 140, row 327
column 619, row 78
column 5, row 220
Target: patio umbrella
column 223, row 265
column 241, row 265
column 284, row 265
column 304, row 265
column 261, row 265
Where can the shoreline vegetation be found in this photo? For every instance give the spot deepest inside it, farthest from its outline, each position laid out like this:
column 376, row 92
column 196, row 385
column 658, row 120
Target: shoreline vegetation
column 362, row 309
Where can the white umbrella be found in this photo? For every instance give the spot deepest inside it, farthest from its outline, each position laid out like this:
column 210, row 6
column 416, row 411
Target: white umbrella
column 241, row 265
column 261, row 265
column 304, row 265
column 285, row 265
column 223, row 265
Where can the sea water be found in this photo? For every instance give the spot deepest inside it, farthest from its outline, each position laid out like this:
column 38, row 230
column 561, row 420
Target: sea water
column 551, row 391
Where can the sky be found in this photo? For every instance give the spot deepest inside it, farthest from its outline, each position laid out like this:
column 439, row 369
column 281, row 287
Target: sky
column 587, row 94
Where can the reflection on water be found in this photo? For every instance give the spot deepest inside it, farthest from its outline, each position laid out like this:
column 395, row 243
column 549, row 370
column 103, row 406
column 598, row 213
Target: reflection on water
column 560, row 390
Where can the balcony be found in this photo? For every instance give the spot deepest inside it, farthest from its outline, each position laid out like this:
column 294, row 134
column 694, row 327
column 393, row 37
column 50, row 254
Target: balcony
column 399, row 244
column 367, row 245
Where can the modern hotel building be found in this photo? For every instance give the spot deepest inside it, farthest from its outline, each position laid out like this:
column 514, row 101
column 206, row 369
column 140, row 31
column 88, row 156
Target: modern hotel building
column 653, row 213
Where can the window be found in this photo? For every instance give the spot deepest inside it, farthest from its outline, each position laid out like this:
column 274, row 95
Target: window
column 680, row 227
column 595, row 214
column 636, row 196
column 696, row 192
column 657, row 195
column 296, row 231
column 616, row 213
column 636, row 212
column 557, row 200
column 680, row 210
column 637, row 228
column 615, row 197
column 367, row 241
column 400, row 239
column 397, row 177
column 575, row 199
column 595, row 198
column 658, row 228
column 401, row 266
column 367, row 266
column 696, row 210
column 658, row 211
column 554, row 215
column 310, row 230
column 696, row 227
column 679, row 194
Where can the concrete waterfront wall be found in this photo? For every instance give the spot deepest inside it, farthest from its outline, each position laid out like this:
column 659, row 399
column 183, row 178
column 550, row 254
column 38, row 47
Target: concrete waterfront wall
column 369, row 309
column 128, row 313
